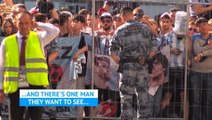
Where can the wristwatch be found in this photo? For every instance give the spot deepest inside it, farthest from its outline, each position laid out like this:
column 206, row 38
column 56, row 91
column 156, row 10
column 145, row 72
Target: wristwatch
column 202, row 54
column 202, row 57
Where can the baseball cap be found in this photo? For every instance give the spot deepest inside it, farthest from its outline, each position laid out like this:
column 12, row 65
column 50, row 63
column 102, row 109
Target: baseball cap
column 201, row 20
column 106, row 15
column 165, row 15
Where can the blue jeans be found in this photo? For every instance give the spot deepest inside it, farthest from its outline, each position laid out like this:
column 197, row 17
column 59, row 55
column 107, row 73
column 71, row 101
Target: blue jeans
column 200, row 96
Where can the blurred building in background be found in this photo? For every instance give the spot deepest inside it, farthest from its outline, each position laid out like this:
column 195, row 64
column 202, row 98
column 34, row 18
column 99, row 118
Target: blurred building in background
column 75, row 5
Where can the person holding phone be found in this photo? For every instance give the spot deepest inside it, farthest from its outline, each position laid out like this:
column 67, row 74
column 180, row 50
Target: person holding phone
column 200, row 84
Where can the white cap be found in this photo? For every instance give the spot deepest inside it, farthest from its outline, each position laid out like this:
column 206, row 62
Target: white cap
column 106, row 14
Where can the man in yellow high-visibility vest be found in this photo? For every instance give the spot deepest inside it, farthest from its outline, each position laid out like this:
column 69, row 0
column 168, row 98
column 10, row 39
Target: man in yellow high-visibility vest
column 23, row 63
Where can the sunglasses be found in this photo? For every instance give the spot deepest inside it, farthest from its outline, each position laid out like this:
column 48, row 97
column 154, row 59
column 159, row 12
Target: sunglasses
column 106, row 21
column 140, row 15
column 192, row 29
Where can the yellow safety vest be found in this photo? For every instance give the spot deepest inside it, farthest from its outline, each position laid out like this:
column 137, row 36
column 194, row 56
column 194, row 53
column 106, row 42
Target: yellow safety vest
column 36, row 66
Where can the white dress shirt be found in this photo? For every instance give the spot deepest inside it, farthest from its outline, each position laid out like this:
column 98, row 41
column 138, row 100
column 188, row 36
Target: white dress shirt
column 49, row 33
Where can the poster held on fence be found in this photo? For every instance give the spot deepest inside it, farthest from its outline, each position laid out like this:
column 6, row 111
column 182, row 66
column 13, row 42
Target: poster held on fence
column 63, row 77
column 106, row 80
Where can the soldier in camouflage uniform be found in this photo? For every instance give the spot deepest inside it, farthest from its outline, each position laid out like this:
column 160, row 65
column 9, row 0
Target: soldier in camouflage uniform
column 132, row 44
